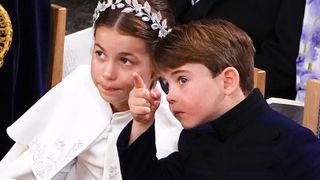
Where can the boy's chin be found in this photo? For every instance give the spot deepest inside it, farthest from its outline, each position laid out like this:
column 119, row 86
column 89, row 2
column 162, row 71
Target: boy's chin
column 188, row 125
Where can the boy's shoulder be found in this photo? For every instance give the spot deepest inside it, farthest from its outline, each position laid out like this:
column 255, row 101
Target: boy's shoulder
column 281, row 128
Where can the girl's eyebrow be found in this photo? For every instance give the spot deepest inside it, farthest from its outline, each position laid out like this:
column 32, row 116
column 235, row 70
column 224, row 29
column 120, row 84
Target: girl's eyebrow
column 127, row 54
column 121, row 53
column 97, row 44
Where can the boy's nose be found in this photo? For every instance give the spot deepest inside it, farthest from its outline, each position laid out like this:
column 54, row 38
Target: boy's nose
column 170, row 97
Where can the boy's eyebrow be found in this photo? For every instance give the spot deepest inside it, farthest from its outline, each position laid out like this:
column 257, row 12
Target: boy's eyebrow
column 178, row 71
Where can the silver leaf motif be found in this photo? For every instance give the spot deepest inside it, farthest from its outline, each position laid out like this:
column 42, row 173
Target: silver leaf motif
column 145, row 18
column 142, row 11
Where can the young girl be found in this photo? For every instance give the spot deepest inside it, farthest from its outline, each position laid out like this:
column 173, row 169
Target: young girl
column 70, row 133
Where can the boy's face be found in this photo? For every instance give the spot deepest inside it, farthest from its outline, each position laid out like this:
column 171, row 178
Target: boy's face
column 194, row 96
column 115, row 57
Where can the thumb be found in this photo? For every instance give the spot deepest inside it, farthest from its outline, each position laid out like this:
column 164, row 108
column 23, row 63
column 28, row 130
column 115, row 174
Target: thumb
column 156, row 98
column 155, row 94
column 138, row 81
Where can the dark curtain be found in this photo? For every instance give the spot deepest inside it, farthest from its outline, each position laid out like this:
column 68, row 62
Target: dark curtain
column 24, row 75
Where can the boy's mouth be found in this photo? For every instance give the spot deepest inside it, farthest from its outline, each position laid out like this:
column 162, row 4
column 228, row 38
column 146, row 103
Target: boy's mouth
column 177, row 114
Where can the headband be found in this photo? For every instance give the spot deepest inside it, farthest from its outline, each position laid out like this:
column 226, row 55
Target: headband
column 142, row 11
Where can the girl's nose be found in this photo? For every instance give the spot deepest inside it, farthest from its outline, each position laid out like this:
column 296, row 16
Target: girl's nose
column 110, row 70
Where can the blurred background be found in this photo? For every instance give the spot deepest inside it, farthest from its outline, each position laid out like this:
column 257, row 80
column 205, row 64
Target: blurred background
column 79, row 13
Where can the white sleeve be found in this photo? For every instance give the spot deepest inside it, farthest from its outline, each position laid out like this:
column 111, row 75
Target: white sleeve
column 15, row 151
column 17, row 164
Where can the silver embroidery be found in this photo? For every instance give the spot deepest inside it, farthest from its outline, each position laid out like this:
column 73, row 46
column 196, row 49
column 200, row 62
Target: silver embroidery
column 48, row 156
column 113, row 172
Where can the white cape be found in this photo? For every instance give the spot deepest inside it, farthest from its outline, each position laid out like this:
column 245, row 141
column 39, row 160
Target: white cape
column 64, row 122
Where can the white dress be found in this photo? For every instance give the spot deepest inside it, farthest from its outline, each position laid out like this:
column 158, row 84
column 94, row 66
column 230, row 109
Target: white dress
column 71, row 133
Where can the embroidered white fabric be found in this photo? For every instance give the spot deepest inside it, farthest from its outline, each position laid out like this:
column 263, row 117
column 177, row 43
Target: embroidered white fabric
column 45, row 161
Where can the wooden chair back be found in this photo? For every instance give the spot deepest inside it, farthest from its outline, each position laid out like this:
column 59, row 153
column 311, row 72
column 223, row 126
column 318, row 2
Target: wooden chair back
column 59, row 15
column 259, row 80
column 311, row 111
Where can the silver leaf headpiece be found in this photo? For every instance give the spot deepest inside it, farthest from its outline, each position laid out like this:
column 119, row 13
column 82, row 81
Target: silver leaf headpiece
column 142, row 11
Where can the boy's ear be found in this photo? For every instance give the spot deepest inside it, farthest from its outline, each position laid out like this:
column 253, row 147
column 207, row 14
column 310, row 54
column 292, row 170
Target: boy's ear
column 231, row 80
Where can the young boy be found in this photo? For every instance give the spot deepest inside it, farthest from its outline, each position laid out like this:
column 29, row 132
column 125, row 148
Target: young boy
column 230, row 132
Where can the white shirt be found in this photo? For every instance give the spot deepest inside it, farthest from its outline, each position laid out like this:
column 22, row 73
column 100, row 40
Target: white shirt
column 94, row 161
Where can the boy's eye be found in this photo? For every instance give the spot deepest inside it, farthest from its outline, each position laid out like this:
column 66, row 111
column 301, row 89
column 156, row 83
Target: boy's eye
column 182, row 80
column 126, row 61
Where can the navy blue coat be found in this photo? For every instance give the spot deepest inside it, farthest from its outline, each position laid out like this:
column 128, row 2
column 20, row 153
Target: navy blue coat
column 251, row 141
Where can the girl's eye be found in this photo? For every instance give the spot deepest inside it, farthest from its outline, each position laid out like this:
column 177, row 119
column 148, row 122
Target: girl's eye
column 100, row 54
column 182, row 80
column 126, row 61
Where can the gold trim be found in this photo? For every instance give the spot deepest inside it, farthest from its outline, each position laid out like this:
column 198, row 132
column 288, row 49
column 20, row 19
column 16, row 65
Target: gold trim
column 5, row 34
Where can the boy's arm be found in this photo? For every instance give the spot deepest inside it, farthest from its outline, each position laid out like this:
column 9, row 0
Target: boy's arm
column 137, row 158
column 142, row 103
column 137, row 129
column 136, row 143
column 139, row 162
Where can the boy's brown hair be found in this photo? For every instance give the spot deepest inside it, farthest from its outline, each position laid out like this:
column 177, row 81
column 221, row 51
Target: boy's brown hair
column 215, row 43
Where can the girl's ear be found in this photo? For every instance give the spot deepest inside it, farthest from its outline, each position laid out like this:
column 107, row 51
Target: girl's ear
column 154, row 77
column 231, row 79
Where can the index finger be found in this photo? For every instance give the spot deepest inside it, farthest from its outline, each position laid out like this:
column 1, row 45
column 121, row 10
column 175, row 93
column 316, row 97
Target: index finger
column 138, row 81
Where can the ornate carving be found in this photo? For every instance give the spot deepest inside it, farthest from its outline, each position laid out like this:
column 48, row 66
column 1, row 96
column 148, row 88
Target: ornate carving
column 5, row 34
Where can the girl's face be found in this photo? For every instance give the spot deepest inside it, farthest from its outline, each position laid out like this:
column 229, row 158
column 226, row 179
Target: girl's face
column 115, row 57
column 194, row 96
